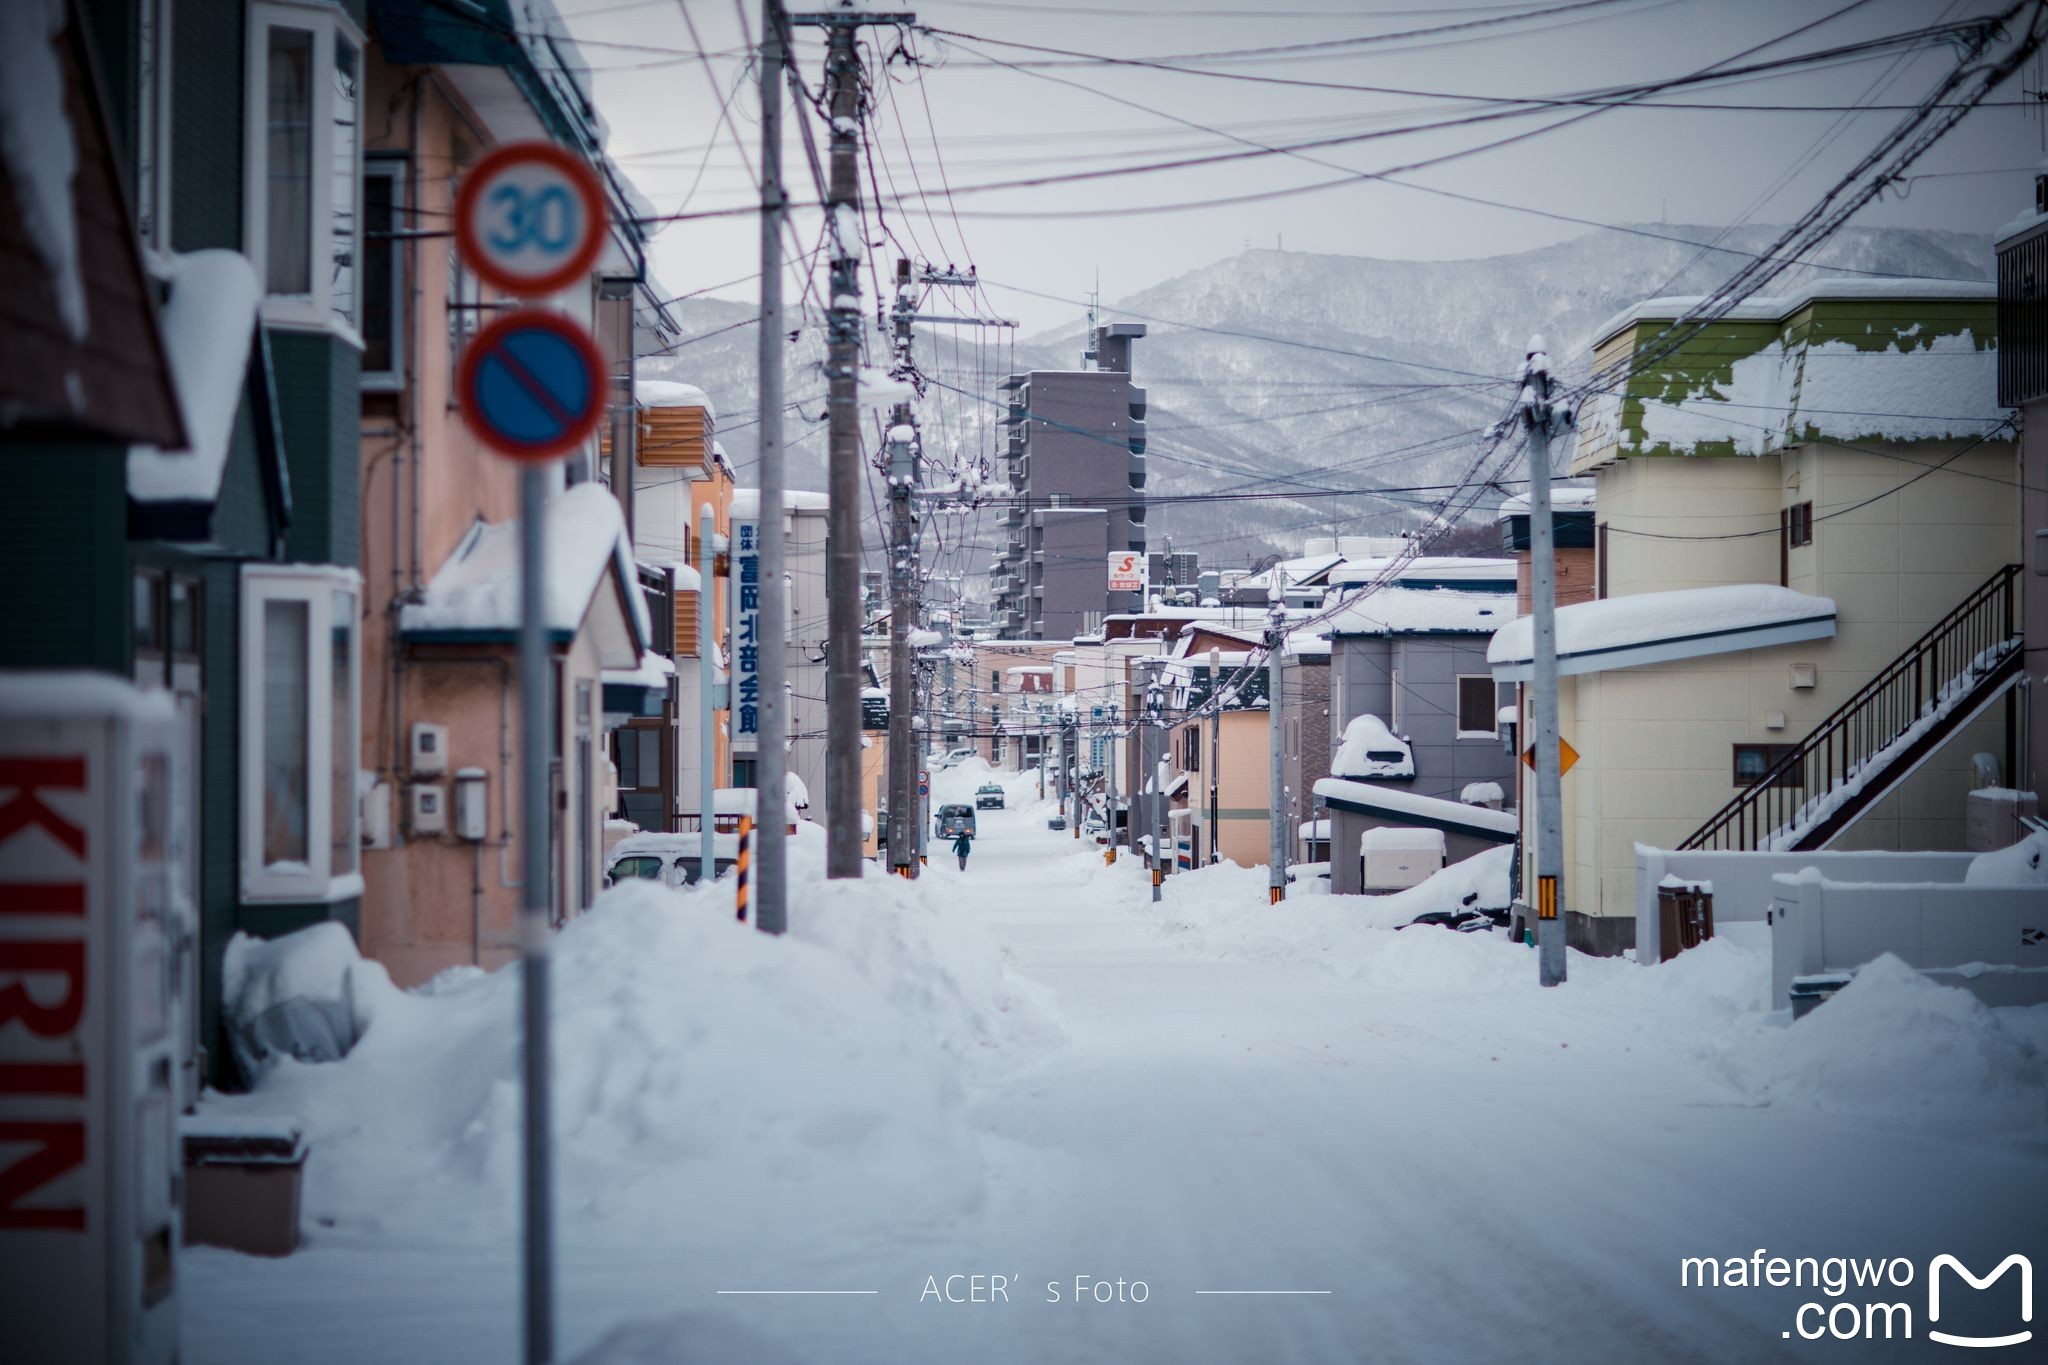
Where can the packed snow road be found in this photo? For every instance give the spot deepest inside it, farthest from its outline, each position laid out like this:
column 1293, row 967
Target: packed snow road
column 1259, row 1135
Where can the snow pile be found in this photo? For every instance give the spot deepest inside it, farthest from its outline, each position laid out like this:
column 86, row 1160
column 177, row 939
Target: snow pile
column 37, row 147
column 1370, row 749
column 671, row 393
column 1895, row 1044
column 1921, row 387
column 706, row 1075
column 296, row 996
column 209, row 323
column 1482, row 794
column 2023, row 864
column 1748, row 409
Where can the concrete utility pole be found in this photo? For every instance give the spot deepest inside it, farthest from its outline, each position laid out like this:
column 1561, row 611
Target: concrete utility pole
column 1543, row 420
column 707, row 682
column 906, row 805
column 1112, row 753
column 771, row 881
column 1215, row 743
column 1154, row 761
column 1276, row 634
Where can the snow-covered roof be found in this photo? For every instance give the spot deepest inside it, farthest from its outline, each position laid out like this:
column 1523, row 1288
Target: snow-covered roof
column 208, row 323
column 654, row 671
column 1653, row 627
column 64, row 693
column 39, row 152
column 671, row 393
column 1670, row 307
column 1427, row 571
column 1422, row 611
column 746, row 502
column 1392, row 803
column 476, row 592
column 1370, row 749
column 1561, row 500
column 1397, row 839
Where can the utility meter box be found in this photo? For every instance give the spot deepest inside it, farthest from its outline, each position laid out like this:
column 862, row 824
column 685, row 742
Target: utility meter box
column 426, row 808
column 91, row 1003
column 376, row 815
column 429, row 749
column 471, row 818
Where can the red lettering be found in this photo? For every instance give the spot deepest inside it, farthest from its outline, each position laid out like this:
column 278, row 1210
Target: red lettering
column 58, row 1148
column 42, row 1078
column 42, row 898
column 26, row 776
column 49, row 958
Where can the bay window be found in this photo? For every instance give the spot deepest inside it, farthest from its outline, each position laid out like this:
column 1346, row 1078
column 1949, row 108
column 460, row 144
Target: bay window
column 300, row 683
column 304, row 163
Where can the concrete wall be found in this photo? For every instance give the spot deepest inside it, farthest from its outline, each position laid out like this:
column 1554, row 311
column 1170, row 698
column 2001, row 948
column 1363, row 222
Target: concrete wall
column 1743, row 886
column 1820, row 925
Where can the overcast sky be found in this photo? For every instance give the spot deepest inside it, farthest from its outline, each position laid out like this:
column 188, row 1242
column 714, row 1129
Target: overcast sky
column 995, row 123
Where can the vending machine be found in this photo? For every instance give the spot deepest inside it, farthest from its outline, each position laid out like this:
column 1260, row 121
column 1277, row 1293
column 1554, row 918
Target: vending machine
column 90, row 1022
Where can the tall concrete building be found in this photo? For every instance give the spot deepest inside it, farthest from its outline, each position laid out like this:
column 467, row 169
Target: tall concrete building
column 1077, row 469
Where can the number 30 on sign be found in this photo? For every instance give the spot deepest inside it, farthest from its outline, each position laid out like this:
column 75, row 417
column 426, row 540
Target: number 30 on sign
column 530, row 218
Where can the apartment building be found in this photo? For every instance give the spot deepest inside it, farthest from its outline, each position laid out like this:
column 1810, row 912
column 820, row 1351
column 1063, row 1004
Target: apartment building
column 1077, row 472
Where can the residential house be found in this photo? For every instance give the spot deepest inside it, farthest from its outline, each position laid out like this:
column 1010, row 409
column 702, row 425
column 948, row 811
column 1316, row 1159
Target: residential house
column 439, row 532
column 203, row 541
column 2023, row 384
column 1808, row 548
column 1227, row 750
column 1410, row 663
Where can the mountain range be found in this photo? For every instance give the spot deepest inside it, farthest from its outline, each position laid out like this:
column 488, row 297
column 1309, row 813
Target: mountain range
column 1276, row 375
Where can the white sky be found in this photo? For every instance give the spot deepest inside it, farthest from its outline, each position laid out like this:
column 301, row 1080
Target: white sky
column 998, row 124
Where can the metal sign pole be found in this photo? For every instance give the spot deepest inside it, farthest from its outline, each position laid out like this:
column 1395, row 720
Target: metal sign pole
column 537, row 1206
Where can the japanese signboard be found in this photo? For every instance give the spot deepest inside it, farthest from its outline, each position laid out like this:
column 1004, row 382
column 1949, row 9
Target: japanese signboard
column 745, row 724
column 1127, row 570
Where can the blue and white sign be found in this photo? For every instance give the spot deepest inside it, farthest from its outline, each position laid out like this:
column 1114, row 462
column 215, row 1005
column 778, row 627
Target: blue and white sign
column 745, row 725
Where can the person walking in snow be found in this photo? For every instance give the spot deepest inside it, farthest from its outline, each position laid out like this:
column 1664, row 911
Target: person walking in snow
column 963, row 846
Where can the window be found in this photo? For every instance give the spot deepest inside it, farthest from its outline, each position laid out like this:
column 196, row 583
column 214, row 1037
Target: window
column 1800, row 520
column 304, row 163
column 1478, row 709
column 383, row 276
column 301, row 680
column 153, row 123
column 1754, row 761
column 639, row 757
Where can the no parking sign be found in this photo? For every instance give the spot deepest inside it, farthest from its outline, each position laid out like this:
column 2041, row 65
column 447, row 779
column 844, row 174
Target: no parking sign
column 530, row 220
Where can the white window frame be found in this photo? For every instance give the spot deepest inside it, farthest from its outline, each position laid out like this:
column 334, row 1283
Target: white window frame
column 315, row 585
column 325, row 21
column 153, row 88
column 1492, row 711
column 398, row 170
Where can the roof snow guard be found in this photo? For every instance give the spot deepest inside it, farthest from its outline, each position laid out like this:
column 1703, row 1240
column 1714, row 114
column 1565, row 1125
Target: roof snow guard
column 1657, row 627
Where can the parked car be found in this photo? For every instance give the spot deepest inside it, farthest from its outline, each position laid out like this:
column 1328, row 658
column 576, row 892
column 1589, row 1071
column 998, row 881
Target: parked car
column 954, row 756
column 954, row 820
column 988, row 797
column 670, row 859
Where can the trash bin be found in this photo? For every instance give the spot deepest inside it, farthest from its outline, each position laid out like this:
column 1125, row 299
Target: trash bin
column 242, row 1183
column 1685, row 916
column 1808, row 992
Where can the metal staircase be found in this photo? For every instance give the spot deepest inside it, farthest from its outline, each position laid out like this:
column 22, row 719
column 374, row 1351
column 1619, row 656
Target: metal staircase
column 1858, row 755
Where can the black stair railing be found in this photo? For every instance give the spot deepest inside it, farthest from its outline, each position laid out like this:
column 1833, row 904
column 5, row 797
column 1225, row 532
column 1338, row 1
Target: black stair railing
column 1852, row 748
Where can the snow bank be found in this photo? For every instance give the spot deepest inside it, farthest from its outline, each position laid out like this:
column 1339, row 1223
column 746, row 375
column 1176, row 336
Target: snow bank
column 707, row 1076
column 2024, row 864
column 1896, row 1045
column 296, row 996
column 1370, row 749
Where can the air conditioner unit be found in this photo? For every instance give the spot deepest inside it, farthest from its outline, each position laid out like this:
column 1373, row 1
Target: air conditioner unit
column 429, row 749
column 427, row 808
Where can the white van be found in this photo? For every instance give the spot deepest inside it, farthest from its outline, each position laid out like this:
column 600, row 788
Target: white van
column 671, row 859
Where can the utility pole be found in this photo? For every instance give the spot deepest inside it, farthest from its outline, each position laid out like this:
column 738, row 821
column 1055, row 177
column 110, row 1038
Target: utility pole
column 1155, row 768
column 1276, row 634
column 771, row 883
column 1543, row 420
column 1112, row 754
column 1215, row 746
column 906, row 813
column 842, row 407
column 707, row 680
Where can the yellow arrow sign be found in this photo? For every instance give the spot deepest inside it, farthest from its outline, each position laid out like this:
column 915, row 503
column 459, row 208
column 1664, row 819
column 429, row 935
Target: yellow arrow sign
column 1566, row 756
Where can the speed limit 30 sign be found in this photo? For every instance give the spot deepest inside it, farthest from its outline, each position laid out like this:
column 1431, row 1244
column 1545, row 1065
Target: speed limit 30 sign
column 530, row 218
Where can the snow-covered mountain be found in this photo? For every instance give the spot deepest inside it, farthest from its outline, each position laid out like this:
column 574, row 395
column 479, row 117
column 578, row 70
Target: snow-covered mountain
column 1271, row 372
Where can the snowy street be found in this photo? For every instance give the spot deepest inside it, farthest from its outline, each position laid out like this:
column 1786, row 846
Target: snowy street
column 1441, row 1160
